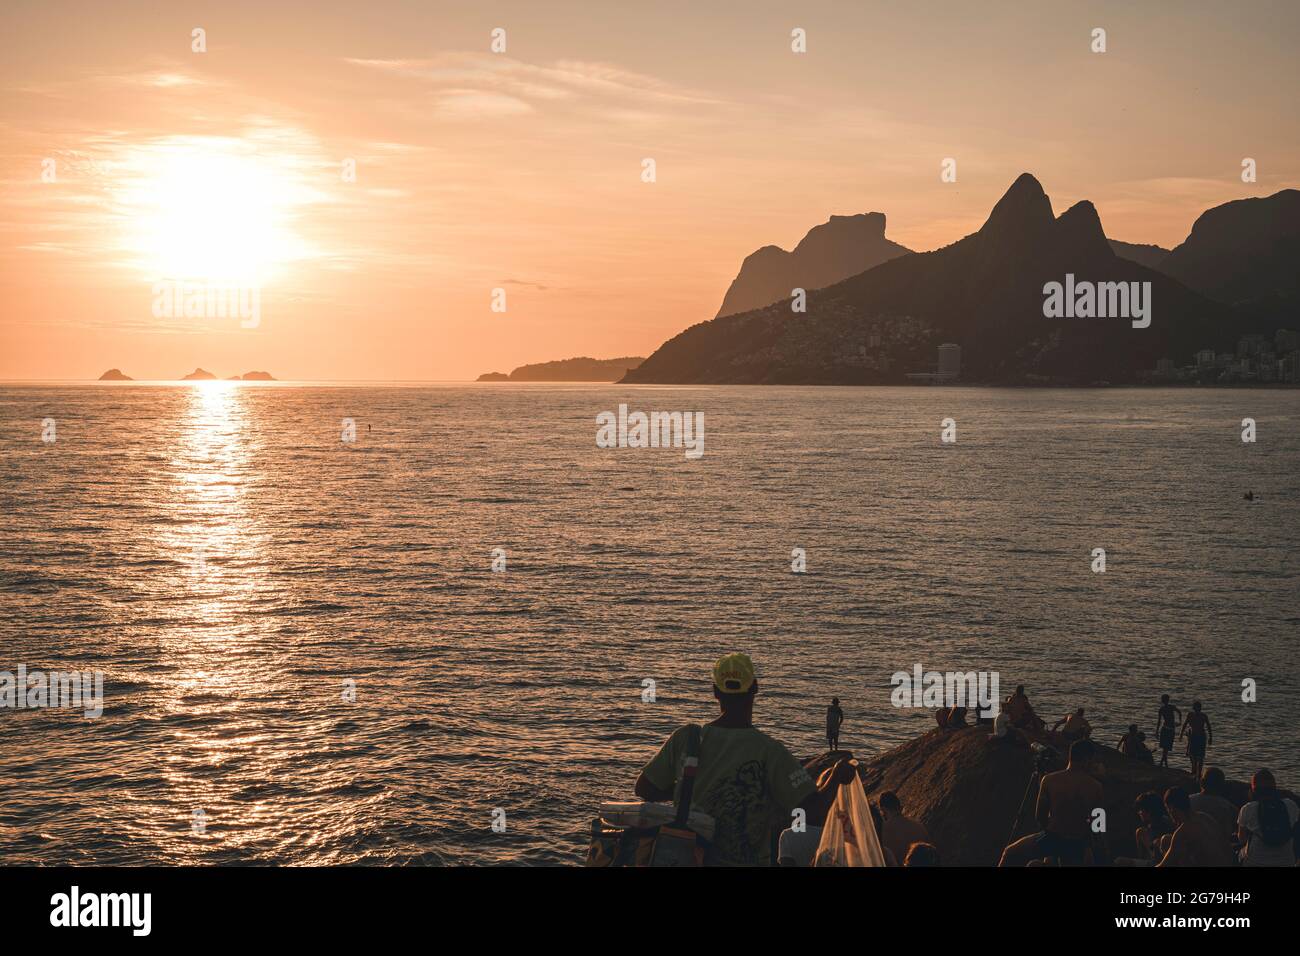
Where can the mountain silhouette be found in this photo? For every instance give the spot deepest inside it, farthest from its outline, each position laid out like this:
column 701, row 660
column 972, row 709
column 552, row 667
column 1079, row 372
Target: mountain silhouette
column 835, row 250
column 1246, row 253
column 1148, row 255
column 984, row 292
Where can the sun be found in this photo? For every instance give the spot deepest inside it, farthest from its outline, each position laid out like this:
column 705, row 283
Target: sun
column 209, row 209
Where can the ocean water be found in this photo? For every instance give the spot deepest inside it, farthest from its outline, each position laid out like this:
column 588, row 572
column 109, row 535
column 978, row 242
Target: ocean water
column 229, row 564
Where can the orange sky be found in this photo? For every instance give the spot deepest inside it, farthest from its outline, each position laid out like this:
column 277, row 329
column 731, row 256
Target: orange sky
column 522, row 170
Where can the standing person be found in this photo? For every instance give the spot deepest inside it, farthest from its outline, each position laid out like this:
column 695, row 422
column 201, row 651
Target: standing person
column 1066, row 800
column 748, row 782
column 1266, row 824
column 1168, row 718
column 834, row 717
column 1199, row 734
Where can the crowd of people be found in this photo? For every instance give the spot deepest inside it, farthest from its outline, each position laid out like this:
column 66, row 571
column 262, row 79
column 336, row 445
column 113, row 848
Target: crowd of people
column 751, row 786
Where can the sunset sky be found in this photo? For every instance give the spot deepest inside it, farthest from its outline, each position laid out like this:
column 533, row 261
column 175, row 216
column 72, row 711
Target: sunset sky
column 522, row 170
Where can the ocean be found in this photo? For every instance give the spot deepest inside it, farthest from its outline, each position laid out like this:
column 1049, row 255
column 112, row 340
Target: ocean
column 309, row 659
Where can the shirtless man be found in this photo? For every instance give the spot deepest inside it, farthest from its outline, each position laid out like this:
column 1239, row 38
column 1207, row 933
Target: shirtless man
column 1197, row 730
column 1066, row 801
column 1197, row 840
column 1076, row 726
column 1168, row 718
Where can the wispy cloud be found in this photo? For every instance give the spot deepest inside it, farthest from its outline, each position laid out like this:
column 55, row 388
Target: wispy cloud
column 493, row 85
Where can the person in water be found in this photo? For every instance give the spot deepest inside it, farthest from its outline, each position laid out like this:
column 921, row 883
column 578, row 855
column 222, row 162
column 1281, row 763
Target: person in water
column 1199, row 734
column 834, row 718
column 748, row 782
column 1168, row 718
column 1066, row 800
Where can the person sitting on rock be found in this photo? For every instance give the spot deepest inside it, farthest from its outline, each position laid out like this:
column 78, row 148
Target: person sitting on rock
column 1197, row 839
column 1266, row 824
column 747, row 781
column 900, row 831
column 1156, row 826
column 1021, row 712
column 1076, row 727
column 1213, row 803
column 950, row 718
column 1132, row 744
column 1066, row 801
column 922, row 854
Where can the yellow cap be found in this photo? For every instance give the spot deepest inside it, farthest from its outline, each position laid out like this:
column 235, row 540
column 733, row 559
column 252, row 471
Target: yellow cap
column 733, row 674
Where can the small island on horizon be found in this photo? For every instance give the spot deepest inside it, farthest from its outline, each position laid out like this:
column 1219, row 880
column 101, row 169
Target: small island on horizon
column 198, row 375
column 581, row 369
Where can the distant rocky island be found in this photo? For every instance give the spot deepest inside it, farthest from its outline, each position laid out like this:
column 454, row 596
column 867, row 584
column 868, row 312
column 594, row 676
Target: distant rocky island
column 1222, row 306
column 580, row 369
column 198, row 375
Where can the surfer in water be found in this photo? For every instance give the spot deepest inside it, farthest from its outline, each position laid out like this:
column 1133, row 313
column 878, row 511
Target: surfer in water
column 1197, row 730
column 1167, row 720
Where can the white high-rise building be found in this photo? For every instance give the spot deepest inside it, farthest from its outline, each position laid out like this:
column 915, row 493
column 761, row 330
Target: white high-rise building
column 949, row 362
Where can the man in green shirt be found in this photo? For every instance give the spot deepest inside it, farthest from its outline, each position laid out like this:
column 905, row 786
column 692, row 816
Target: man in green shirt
column 748, row 782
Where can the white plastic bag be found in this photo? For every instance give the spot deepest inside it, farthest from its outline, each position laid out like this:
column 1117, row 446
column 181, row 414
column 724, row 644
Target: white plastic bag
column 849, row 836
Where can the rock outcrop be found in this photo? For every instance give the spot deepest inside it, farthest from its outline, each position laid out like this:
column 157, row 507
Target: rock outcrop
column 967, row 790
column 841, row 247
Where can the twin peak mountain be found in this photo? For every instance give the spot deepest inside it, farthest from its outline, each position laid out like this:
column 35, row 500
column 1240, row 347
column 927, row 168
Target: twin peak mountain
column 875, row 310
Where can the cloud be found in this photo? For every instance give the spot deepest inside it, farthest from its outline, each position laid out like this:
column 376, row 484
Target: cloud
column 493, row 85
column 475, row 104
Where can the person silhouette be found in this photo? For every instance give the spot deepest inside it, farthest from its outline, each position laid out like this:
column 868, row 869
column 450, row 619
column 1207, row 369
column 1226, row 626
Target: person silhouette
column 834, row 717
column 1197, row 730
column 1167, row 720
